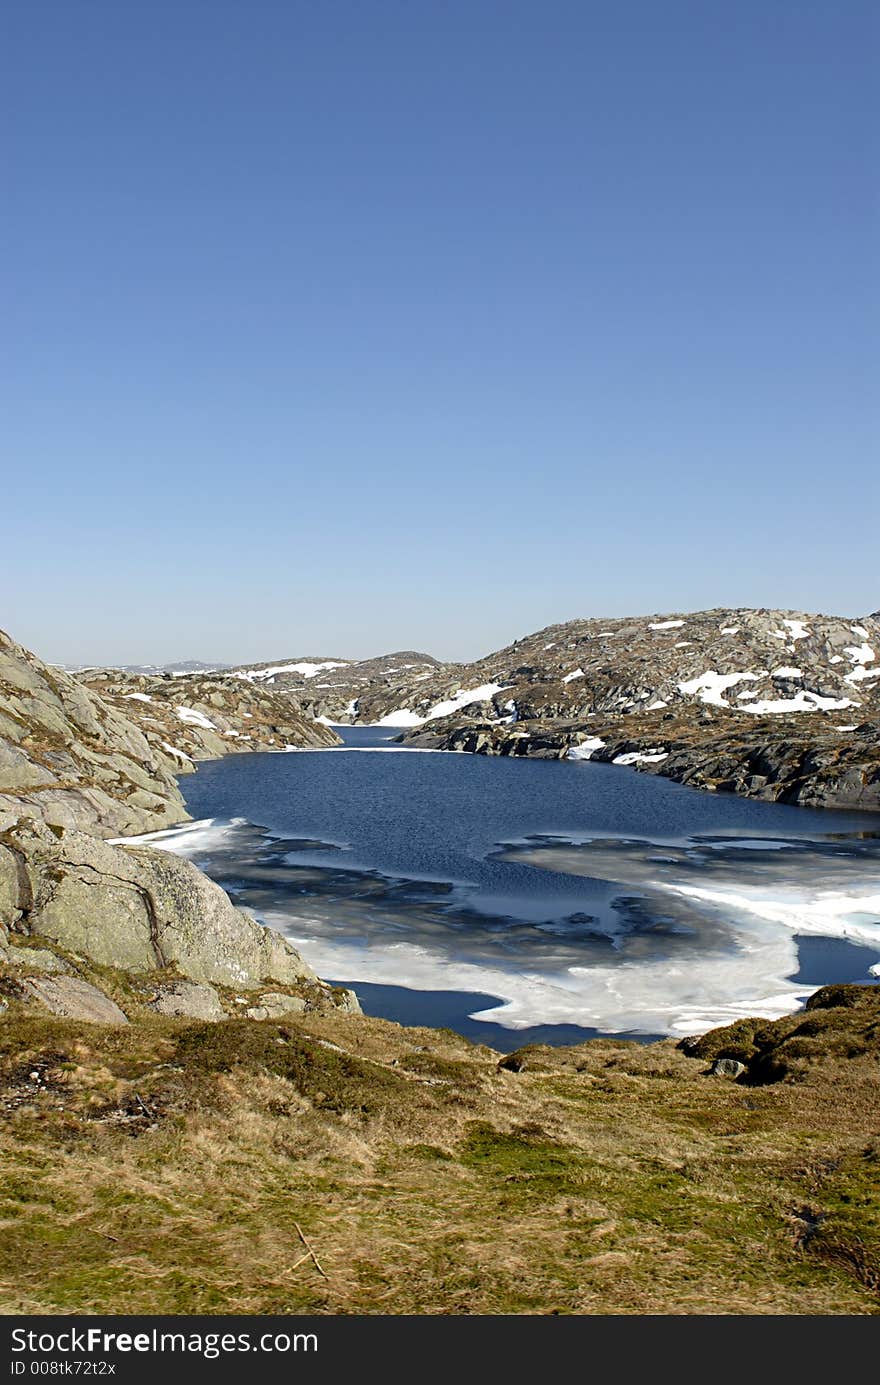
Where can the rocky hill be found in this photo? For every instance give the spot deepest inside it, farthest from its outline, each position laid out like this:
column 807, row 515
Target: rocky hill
column 201, row 716
column 771, row 703
column 332, row 687
column 78, row 766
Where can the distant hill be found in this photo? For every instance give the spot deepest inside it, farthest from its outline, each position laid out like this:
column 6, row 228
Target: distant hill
column 180, row 666
column 330, row 687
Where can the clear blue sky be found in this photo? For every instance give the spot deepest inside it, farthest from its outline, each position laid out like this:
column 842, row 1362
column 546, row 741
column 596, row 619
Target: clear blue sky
column 347, row 325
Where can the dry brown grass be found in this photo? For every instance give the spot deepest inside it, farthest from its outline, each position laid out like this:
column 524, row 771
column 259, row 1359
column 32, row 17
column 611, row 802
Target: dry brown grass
column 162, row 1169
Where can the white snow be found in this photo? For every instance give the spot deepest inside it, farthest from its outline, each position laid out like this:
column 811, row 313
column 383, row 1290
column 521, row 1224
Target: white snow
column 464, row 698
column 860, row 631
column 710, row 686
column 805, row 701
column 682, row 644
column 779, row 634
column 655, row 706
column 860, row 655
column 786, row 672
column 836, row 659
column 666, row 625
column 635, row 757
column 138, row 697
column 570, row 677
column 179, row 754
column 305, row 669
column 194, row 718
column 730, row 629
column 798, row 629
column 585, row 750
column 401, row 717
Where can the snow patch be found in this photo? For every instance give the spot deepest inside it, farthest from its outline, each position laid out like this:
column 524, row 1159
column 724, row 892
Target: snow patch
column 194, row 718
column 178, row 754
column 666, row 625
column 464, row 698
column 805, row 701
column 305, row 669
column 710, row 686
column 637, row 757
column 586, row 749
column 570, row 677
column 401, row 717
column 798, row 629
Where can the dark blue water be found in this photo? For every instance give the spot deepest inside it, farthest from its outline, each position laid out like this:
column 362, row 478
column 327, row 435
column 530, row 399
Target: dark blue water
column 575, row 891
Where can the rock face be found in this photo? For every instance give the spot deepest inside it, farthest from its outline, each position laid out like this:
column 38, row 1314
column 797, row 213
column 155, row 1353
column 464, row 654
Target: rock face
column 68, row 758
column 802, row 760
column 82, row 760
column 190, row 1000
column 137, row 909
column 203, row 716
column 101, row 755
column 75, row 999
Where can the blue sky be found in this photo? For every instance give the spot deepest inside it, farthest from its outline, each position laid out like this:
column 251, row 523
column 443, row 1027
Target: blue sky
column 355, row 325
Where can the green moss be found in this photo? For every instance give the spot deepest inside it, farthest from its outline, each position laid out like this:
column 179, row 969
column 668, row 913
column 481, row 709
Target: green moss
column 845, row 1228
column 523, row 1163
column 443, row 1069
column 331, row 1079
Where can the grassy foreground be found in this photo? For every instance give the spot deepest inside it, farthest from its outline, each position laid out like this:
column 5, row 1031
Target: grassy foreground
column 170, row 1167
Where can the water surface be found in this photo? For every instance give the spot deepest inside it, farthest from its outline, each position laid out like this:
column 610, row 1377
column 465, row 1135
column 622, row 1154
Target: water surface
column 553, row 899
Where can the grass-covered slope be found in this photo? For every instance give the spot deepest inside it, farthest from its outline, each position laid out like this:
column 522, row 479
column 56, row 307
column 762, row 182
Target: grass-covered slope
column 169, row 1167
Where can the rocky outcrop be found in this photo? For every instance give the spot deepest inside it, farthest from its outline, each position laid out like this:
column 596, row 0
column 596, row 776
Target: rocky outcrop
column 838, row 1023
column 802, row 760
column 68, row 758
column 203, row 716
column 75, row 999
column 82, row 761
column 189, row 1000
column 102, row 755
column 137, row 909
